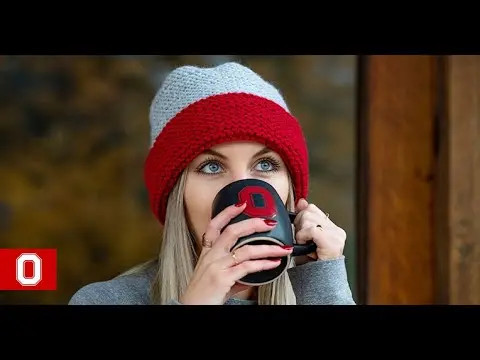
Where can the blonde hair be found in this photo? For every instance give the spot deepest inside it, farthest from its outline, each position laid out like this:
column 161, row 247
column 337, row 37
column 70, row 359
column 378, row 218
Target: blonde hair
column 177, row 257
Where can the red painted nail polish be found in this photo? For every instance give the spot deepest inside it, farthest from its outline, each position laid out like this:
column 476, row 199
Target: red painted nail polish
column 287, row 247
column 240, row 204
column 270, row 222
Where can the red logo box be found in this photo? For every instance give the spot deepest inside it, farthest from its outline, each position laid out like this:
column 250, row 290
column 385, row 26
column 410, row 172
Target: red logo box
column 28, row 269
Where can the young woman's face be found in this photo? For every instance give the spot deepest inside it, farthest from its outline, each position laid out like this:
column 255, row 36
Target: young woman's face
column 223, row 164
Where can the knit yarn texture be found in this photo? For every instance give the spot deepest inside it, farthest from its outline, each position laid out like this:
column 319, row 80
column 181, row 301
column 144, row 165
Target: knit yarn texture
column 197, row 108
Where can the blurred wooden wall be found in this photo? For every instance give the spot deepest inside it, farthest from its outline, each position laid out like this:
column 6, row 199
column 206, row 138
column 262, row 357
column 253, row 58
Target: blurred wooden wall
column 419, row 189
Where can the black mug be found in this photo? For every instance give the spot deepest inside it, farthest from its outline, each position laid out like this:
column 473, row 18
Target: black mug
column 264, row 202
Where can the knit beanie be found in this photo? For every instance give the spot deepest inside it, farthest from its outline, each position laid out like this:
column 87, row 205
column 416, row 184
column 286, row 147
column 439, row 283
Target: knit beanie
column 197, row 108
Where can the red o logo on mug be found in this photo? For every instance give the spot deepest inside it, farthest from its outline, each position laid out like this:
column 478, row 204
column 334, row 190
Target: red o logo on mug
column 260, row 202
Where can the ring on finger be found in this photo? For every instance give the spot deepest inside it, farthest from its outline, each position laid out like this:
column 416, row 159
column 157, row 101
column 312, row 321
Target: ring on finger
column 205, row 242
column 234, row 256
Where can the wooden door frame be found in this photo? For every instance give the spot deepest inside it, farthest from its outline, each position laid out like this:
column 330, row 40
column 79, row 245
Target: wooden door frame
column 418, row 179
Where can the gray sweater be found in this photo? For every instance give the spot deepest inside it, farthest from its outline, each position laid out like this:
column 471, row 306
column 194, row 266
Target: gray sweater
column 314, row 283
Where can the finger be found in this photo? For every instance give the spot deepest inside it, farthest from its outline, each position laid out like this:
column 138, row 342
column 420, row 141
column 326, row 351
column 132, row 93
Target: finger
column 300, row 208
column 301, row 204
column 312, row 219
column 230, row 235
column 321, row 236
column 235, row 289
column 252, row 266
column 219, row 222
column 312, row 208
column 311, row 233
column 254, row 252
column 314, row 215
column 303, row 226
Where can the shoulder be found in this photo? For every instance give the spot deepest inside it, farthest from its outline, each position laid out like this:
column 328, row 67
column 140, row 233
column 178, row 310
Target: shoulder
column 132, row 289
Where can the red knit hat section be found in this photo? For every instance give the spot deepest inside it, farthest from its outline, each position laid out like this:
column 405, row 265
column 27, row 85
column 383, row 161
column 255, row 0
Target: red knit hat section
column 218, row 119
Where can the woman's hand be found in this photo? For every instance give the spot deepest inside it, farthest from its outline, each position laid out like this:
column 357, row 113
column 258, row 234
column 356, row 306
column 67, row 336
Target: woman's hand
column 311, row 223
column 217, row 271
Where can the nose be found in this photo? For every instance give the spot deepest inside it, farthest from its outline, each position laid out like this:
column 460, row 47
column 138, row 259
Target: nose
column 240, row 175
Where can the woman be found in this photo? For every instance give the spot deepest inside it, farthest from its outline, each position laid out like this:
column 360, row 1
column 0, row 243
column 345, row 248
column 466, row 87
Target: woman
column 209, row 127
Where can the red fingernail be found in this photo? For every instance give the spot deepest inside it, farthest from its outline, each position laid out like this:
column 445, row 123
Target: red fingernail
column 287, row 247
column 240, row 204
column 270, row 222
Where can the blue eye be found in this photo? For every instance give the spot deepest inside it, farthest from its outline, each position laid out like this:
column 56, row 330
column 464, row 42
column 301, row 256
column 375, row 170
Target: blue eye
column 264, row 165
column 211, row 168
column 215, row 167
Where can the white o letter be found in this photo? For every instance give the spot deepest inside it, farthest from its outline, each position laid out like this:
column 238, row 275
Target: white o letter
column 37, row 269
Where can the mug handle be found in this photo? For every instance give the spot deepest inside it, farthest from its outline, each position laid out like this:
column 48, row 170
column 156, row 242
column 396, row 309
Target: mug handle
column 301, row 249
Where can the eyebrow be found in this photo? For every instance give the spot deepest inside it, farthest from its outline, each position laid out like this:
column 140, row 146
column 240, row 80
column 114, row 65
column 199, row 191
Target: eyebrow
column 215, row 153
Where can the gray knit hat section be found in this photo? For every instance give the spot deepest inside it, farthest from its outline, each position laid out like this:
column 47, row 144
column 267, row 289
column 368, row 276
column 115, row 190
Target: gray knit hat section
column 188, row 84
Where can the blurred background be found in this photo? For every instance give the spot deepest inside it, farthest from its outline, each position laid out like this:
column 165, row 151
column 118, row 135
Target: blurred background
column 394, row 152
column 74, row 134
